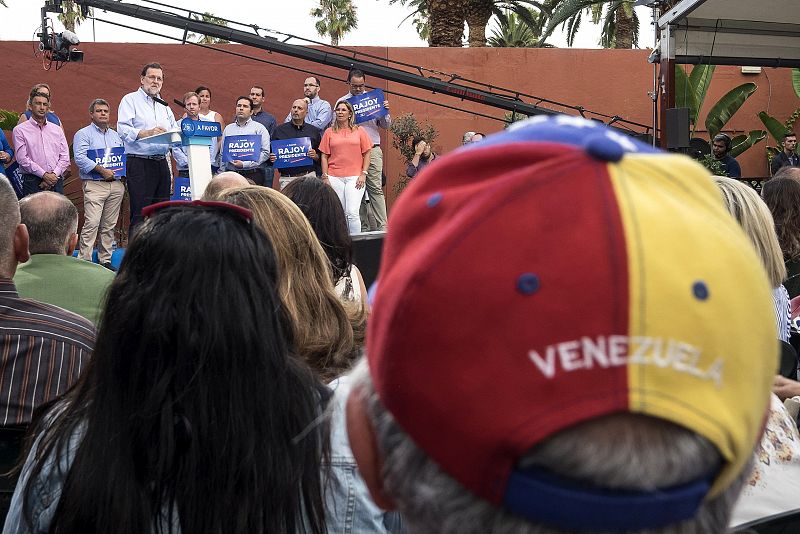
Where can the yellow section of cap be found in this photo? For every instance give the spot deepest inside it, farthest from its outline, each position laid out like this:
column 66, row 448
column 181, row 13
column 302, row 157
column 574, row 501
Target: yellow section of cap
column 705, row 364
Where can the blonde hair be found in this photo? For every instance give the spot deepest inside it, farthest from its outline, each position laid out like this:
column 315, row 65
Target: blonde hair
column 755, row 219
column 351, row 122
column 327, row 332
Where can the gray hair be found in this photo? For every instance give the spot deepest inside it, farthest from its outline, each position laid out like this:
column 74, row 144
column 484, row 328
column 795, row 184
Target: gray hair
column 467, row 137
column 787, row 171
column 222, row 181
column 625, row 451
column 97, row 101
column 51, row 218
column 9, row 219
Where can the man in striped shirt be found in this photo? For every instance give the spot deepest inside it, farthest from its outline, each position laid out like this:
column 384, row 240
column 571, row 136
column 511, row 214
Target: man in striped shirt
column 43, row 348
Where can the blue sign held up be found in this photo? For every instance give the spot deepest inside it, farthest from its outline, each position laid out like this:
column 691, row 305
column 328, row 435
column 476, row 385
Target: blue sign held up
column 292, row 152
column 241, row 147
column 368, row 105
column 182, row 190
column 112, row 159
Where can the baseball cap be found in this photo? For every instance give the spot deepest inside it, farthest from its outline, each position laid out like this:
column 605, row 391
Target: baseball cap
column 558, row 272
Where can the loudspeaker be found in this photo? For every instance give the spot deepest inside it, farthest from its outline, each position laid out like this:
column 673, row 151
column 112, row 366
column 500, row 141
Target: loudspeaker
column 677, row 128
column 367, row 251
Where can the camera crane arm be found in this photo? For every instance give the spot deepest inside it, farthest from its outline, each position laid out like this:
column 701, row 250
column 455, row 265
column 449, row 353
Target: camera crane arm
column 306, row 53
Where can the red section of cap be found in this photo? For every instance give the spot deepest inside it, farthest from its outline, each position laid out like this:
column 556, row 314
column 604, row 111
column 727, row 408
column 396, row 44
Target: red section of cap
column 450, row 334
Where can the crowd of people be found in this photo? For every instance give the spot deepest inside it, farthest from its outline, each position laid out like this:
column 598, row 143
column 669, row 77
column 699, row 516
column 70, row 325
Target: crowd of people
column 41, row 150
column 517, row 367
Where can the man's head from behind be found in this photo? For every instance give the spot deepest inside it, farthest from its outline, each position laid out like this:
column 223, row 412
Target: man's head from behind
column 52, row 222
column 588, row 380
column 222, row 181
column 13, row 234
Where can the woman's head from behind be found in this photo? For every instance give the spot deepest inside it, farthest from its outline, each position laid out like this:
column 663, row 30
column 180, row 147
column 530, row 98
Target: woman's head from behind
column 322, row 208
column 782, row 196
column 174, row 402
column 755, row 219
column 323, row 333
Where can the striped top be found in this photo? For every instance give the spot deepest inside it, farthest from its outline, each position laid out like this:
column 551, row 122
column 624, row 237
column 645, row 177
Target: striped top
column 43, row 349
column 783, row 312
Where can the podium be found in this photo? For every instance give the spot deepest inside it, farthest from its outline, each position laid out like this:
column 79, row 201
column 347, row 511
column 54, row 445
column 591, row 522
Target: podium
column 197, row 136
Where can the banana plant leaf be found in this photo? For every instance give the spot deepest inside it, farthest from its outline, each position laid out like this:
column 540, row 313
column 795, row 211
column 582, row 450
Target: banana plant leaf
column 775, row 127
column 796, row 81
column 699, row 80
column 685, row 94
column 740, row 143
column 727, row 106
column 8, row 119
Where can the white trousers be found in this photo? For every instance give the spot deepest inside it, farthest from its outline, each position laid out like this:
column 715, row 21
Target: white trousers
column 350, row 197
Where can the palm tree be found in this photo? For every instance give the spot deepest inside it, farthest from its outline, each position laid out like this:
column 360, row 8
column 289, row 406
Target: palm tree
column 338, row 17
column 479, row 12
column 511, row 31
column 620, row 25
column 210, row 18
column 445, row 18
column 71, row 15
column 420, row 17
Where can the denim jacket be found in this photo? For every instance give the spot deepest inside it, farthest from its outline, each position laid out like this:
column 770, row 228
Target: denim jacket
column 350, row 509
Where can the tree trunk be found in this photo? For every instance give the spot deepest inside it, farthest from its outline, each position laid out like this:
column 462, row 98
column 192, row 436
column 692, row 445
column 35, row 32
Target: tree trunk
column 478, row 14
column 334, row 39
column 447, row 23
column 625, row 30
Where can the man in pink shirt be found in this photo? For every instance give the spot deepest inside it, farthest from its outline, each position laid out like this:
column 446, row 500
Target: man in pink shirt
column 41, row 149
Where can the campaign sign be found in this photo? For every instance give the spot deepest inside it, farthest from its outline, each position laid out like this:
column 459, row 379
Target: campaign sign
column 14, row 175
column 368, row 105
column 292, row 152
column 112, row 159
column 241, row 147
column 183, row 189
column 190, row 128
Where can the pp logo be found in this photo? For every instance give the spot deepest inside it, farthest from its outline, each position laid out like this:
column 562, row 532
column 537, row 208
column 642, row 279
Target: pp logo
column 187, row 127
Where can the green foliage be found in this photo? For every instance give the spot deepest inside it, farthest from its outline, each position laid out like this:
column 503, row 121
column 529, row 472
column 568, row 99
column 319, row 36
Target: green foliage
column 609, row 13
column 511, row 117
column 337, row 18
column 404, row 129
column 719, row 115
column 71, row 16
column 796, row 81
column 775, row 128
column 8, row 119
column 420, row 17
column 512, row 31
column 713, row 165
column 741, row 143
column 211, row 19
column 691, row 90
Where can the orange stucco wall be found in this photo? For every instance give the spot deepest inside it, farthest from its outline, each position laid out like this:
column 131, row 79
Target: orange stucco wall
column 614, row 82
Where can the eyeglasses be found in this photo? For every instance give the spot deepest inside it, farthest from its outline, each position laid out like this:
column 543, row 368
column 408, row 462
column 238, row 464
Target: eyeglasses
column 244, row 213
column 357, row 85
column 155, row 78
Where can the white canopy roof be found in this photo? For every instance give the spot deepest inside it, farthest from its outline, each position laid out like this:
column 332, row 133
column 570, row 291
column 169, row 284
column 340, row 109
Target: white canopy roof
column 732, row 32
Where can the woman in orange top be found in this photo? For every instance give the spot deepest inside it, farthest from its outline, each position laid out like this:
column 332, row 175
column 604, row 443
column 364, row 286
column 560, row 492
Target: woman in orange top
column 345, row 158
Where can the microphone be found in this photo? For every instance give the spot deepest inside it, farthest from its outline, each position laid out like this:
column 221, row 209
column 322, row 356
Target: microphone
column 178, row 102
column 162, row 102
